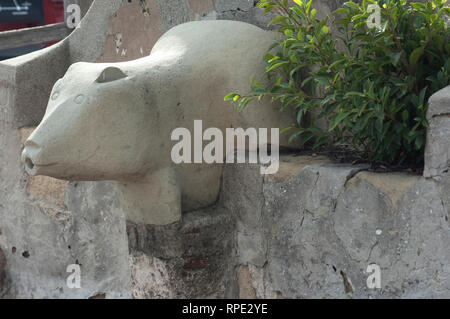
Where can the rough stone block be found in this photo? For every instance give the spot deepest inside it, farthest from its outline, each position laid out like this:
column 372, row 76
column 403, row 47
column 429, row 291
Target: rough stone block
column 192, row 258
column 201, row 7
column 253, row 15
column 173, row 12
column 437, row 150
column 48, row 189
column 134, row 29
column 228, row 5
column 254, row 283
column 149, row 277
column 245, row 281
column 323, row 225
column 439, row 103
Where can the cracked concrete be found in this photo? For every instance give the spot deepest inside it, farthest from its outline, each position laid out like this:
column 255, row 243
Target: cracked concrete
column 437, row 150
column 318, row 229
column 193, row 258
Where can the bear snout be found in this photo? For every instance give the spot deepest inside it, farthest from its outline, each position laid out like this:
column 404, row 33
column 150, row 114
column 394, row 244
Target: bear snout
column 29, row 163
column 30, row 158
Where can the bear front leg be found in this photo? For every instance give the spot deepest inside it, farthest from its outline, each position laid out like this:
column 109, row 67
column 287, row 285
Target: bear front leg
column 155, row 200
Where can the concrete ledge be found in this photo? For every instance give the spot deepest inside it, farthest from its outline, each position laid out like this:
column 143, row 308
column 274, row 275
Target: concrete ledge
column 437, row 150
column 314, row 233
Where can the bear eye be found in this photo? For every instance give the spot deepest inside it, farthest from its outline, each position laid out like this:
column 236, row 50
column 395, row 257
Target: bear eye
column 56, row 87
column 79, row 99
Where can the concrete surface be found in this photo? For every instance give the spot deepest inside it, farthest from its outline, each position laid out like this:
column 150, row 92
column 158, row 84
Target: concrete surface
column 437, row 150
column 314, row 234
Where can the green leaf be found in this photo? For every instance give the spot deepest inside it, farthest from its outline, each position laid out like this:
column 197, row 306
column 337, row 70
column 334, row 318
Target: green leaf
column 355, row 94
column 286, row 129
column 308, row 6
column 276, row 57
column 306, row 138
column 418, row 6
column 321, row 140
column 341, row 11
column 230, row 96
column 278, row 19
column 415, row 55
column 287, row 101
column 338, row 119
column 288, row 32
column 276, row 66
column 322, row 81
column 306, row 81
column 395, row 57
column 299, row 117
column 405, row 115
column 418, row 143
column 295, row 135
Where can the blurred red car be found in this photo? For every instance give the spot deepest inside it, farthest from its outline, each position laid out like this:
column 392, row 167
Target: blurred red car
column 18, row 14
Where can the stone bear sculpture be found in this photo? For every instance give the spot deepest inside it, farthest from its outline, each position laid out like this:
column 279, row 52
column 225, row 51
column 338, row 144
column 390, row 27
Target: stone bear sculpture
column 113, row 121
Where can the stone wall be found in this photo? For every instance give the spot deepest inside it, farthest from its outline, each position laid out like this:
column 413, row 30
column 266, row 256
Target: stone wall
column 137, row 25
column 193, row 258
column 47, row 225
column 312, row 230
column 437, row 153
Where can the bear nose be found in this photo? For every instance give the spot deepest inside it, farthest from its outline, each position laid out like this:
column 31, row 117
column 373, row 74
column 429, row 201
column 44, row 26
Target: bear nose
column 28, row 154
column 29, row 164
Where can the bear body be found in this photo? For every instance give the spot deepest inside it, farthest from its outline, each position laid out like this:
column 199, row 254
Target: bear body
column 113, row 121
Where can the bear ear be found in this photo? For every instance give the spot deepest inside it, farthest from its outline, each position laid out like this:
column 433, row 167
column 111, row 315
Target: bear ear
column 110, row 74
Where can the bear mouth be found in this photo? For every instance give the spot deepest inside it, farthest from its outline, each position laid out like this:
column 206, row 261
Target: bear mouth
column 33, row 168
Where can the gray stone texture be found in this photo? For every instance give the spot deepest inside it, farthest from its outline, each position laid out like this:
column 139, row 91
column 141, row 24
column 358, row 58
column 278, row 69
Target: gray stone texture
column 193, row 258
column 231, row 5
column 437, row 150
column 40, row 239
column 318, row 231
column 173, row 12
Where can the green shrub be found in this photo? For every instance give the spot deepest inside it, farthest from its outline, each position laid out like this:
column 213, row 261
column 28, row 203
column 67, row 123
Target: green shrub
column 372, row 91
